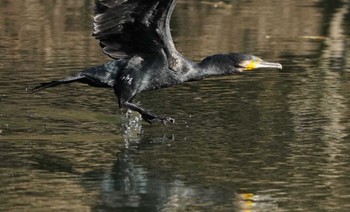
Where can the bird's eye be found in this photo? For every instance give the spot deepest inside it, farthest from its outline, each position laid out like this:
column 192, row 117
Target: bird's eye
column 240, row 64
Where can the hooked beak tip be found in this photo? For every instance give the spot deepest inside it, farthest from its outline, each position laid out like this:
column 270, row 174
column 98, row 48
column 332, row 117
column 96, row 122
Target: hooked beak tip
column 280, row 67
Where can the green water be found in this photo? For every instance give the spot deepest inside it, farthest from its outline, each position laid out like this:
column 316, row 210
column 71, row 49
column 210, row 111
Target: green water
column 260, row 141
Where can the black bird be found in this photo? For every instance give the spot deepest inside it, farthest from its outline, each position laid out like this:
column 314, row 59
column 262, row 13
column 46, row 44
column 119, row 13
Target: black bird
column 136, row 34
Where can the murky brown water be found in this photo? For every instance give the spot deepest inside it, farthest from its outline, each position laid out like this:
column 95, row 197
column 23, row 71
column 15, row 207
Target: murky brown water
column 259, row 141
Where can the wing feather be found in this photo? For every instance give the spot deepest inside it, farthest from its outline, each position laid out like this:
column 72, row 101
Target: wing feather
column 134, row 27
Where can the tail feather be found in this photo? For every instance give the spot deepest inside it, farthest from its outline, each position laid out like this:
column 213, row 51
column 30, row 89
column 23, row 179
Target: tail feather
column 55, row 83
column 98, row 76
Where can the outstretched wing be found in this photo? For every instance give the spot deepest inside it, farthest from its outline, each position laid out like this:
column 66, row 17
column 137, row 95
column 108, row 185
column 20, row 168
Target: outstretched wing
column 134, row 27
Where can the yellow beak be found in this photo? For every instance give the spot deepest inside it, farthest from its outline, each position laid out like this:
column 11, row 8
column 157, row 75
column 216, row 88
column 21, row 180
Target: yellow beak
column 253, row 64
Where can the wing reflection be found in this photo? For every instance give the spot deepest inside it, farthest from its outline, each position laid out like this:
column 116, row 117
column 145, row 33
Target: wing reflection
column 131, row 186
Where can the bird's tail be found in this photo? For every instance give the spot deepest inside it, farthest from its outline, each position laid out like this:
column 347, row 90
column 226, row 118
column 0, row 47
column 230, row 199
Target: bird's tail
column 99, row 76
column 55, row 83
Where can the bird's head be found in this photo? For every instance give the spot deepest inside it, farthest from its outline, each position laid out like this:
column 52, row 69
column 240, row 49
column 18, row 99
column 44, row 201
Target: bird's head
column 245, row 62
column 235, row 62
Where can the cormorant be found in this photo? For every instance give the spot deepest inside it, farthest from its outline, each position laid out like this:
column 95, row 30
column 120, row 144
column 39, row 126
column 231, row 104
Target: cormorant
column 136, row 34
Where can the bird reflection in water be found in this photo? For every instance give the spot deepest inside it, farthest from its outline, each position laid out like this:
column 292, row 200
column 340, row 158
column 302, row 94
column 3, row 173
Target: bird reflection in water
column 130, row 185
column 249, row 202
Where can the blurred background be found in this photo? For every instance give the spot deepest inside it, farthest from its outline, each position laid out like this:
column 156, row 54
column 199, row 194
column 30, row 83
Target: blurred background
column 260, row 141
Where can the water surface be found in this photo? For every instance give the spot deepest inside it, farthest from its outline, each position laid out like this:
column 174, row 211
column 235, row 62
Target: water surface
column 260, row 141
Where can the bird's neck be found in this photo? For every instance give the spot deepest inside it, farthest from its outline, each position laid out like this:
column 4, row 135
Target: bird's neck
column 205, row 69
column 212, row 69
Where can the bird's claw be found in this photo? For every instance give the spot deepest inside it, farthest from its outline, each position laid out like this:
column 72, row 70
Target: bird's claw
column 164, row 120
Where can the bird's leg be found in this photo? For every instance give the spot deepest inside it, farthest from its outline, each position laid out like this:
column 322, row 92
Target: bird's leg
column 147, row 116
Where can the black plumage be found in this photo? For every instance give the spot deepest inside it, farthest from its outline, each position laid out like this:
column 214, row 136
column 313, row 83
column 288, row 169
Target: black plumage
column 136, row 34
